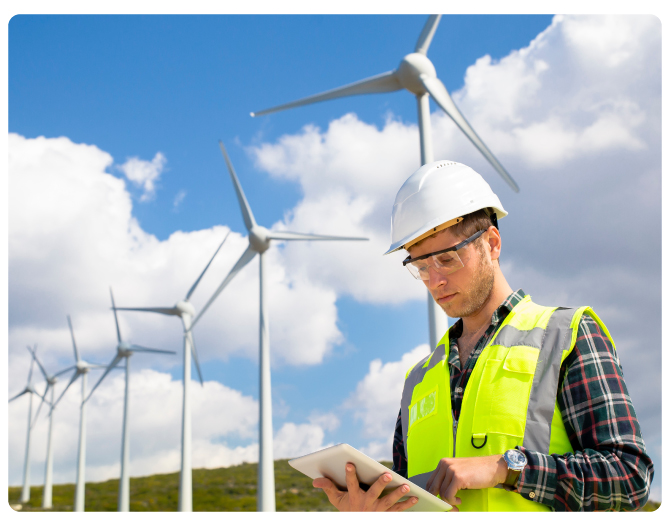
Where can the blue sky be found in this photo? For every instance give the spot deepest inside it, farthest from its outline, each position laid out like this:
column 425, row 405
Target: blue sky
column 134, row 86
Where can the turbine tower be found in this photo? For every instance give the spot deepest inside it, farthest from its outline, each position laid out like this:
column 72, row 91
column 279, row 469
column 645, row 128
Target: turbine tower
column 124, row 350
column 259, row 242
column 81, row 368
column 417, row 75
column 184, row 309
column 48, row 468
column 29, row 389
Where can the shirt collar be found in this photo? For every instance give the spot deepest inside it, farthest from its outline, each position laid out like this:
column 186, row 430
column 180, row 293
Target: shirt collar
column 498, row 316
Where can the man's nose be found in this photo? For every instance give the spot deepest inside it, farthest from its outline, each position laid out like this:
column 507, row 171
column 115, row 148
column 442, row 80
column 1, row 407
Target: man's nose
column 435, row 279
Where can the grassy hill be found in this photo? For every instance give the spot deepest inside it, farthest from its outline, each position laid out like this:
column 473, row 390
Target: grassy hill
column 222, row 489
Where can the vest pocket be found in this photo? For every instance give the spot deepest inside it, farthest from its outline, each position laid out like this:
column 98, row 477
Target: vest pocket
column 502, row 397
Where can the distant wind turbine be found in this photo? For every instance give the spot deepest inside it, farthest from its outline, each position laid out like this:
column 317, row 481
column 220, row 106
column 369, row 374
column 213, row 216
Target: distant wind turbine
column 184, row 309
column 417, row 75
column 48, row 468
column 81, row 368
column 124, row 350
column 259, row 242
column 29, row 389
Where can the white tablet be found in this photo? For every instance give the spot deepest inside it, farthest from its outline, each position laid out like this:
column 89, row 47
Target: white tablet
column 331, row 463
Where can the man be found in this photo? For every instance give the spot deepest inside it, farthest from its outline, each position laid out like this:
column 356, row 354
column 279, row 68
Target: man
column 520, row 407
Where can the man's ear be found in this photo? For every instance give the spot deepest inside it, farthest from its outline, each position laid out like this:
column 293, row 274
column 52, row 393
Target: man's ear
column 494, row 242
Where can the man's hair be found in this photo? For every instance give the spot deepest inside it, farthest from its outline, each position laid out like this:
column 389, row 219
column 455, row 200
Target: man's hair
column 472, row 223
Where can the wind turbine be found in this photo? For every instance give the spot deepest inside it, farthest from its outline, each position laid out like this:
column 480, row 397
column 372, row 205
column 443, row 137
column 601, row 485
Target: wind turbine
column 259, row 242
column 81, row 368
column 417, row 75
column 48, row 470
column 184, row 309
column 124, row 350
column 29, row 389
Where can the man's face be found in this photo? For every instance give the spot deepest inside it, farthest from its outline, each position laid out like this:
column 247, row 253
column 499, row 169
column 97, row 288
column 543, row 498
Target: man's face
column 463, row 292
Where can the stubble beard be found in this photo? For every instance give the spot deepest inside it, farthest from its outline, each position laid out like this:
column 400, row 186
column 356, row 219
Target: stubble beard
column 476, row 296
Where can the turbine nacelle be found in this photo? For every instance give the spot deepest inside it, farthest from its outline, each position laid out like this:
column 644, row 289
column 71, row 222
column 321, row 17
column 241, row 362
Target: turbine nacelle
column 82, row 366
column 411, row 68
column 185, row 307
column 123, row 350
column 259, row 238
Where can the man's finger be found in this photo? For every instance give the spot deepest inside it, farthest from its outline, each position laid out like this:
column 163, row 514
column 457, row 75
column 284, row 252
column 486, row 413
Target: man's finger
column 435, row 481
column 376, row 489
column 392, row 498
column 449, row 487
column 405, row 504
column 329, row 488
column 352, row 481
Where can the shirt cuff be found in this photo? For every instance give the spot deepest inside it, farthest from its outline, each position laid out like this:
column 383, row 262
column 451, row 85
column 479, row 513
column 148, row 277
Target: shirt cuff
column 538, row 479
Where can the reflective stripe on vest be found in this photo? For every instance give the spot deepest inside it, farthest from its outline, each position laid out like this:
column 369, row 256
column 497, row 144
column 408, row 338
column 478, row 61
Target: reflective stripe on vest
column 524, row 359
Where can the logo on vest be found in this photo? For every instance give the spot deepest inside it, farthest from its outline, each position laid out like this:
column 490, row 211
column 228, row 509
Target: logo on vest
column 423, row 408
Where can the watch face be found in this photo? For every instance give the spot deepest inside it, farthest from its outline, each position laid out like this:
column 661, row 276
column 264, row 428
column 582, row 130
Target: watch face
column 515, row 459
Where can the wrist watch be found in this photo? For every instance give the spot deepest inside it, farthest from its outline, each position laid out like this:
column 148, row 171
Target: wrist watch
column 516, row 461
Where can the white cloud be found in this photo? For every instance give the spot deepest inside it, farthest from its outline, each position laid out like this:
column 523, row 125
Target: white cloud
column 376, row 400
column 295, row 440
column 145, row 174
column 178, row 199
column 328, row 421
column 62, row 259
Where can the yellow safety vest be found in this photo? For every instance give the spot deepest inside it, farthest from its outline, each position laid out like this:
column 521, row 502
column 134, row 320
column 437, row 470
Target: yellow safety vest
column 509, row 401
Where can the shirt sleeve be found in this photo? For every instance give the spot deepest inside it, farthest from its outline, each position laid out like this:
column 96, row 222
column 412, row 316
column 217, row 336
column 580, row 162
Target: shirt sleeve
column 610, row 468
column 399, row 457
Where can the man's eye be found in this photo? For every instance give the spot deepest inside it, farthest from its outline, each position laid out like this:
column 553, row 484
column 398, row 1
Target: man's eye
column 446, row 259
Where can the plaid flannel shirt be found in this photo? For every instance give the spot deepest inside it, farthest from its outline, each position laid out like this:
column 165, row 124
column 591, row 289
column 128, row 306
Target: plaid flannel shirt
column 610, row 468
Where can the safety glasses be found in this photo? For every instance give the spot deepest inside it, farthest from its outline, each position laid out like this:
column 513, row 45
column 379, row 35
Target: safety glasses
column 443, row 261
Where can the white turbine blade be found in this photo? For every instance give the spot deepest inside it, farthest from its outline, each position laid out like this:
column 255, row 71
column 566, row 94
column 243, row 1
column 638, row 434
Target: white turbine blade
column 116, row 319
column 294, row 236
column 426, row 35
column 74, row 377
column 437, row 90
column 65, row 370
column 188, row 295
column 30, row 374
column 247, row 256
column 139, row 348
column 195, row 355
column 19, row 395
column 381, row 83
column 170, row 311
column 111, row 366
column 248, row 216
column 74, row 344
column 39, row 364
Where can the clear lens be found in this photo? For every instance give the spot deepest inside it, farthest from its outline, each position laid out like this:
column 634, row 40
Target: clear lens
column 444, row 264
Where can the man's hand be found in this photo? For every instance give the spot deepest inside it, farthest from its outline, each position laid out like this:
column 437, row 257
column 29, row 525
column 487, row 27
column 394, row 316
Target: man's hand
column 453, row 474
column 356, row 499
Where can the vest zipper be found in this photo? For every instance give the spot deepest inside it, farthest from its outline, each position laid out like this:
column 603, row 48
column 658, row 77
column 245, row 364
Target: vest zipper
column 455, row 429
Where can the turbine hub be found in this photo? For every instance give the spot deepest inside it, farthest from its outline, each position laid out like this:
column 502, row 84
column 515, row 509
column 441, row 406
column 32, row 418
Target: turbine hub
column 123, row 349
column 82, row 366
column 185, row 307
column 258, row 238
column 410, row 68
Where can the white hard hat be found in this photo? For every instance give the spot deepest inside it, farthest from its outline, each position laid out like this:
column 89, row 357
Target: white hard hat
column 435, row 197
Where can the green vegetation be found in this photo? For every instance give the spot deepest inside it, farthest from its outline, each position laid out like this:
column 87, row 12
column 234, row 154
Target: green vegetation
column 222, row 489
